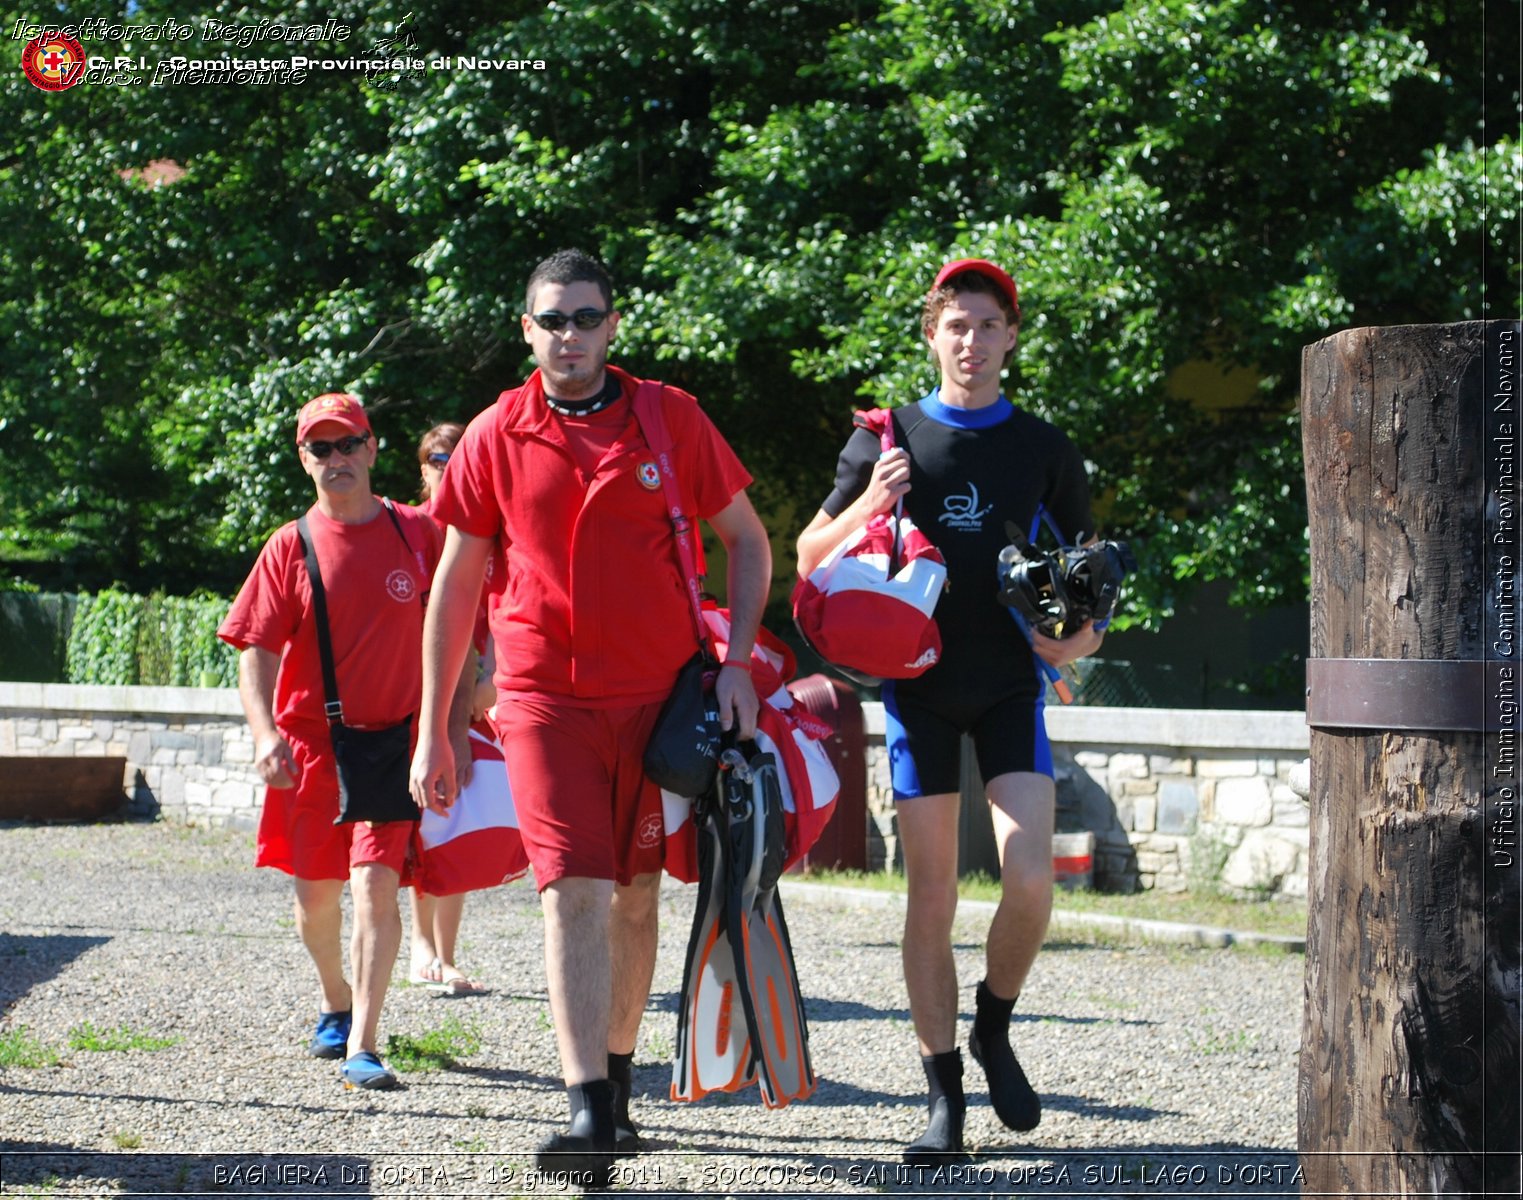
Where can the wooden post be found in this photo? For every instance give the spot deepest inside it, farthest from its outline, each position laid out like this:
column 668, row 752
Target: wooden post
column 1409, row 1075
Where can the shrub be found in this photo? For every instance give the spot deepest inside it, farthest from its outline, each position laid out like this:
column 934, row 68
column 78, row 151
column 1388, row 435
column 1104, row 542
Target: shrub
column 120, row 639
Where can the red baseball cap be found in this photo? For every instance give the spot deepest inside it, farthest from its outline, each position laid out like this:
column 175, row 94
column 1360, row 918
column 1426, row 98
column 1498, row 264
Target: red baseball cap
column 984, row 267
column 340, row 407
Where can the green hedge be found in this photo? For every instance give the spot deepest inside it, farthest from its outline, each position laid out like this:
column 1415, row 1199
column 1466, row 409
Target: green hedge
column 155, row 640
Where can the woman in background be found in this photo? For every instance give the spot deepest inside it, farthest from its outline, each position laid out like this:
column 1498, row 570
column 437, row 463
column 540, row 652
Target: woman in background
column 436, row 919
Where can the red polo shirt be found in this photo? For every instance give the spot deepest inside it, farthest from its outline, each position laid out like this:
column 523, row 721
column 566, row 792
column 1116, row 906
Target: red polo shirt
column 593, row 610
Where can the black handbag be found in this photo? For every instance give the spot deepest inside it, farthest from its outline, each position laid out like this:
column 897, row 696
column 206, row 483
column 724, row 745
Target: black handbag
column 372, row 763
column 682, row 755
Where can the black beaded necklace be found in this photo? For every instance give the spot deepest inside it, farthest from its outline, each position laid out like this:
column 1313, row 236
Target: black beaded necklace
column 610, row 394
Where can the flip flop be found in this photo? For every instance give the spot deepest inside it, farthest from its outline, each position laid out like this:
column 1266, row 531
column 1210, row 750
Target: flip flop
column 462, row 985
column 419, row 979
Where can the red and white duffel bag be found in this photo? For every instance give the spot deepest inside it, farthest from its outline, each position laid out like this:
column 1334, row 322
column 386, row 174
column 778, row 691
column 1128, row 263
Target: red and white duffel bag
column 477, row 845
column 869, row 607
column 784, row 729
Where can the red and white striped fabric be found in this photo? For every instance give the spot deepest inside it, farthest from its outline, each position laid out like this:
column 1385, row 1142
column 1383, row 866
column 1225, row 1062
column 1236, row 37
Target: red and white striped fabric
column 784, row 729
column 477, row 845
column 868, row 607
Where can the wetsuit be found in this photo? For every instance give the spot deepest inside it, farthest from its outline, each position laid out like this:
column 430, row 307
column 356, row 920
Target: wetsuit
column 971, row 471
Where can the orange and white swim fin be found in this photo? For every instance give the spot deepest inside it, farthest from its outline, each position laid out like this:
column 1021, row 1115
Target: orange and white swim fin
column 742, row 1016
column 773, row 1003
column 714, row 1049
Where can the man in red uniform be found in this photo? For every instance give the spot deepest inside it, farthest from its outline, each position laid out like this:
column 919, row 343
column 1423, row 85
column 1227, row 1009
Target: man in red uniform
column 376, row 566
column 590, row 631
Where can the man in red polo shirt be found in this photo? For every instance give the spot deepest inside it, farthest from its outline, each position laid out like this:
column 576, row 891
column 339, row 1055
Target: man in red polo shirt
column 590, row 630
column 376, row 567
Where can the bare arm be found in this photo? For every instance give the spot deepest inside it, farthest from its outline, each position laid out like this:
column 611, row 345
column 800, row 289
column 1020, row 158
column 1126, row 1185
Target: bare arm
column 257, row 671
column 446, row 642
column 890, row 480
column 485, row 694
column 750, row 576
column 460, row 717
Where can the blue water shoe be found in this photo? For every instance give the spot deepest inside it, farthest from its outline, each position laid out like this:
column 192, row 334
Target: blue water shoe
column 366, row 1070
column 331, row 1038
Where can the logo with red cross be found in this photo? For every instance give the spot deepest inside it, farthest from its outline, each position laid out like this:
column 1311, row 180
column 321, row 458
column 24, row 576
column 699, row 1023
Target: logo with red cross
column 53, row 62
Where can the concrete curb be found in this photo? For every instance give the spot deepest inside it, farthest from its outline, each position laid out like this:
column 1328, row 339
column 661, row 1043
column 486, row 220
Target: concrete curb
column 1138, row 928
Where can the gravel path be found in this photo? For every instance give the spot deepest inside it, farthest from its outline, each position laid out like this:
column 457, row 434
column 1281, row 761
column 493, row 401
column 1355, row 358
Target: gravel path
column 1163, row 1070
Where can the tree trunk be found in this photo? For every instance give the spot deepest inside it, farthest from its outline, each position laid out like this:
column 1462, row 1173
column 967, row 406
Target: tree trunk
column 1410, row 1045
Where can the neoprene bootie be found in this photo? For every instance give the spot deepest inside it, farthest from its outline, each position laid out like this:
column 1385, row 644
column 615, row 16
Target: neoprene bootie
column 1015, row 1100
column 626, row 1138
column 584, row 1153
column 942, row 1140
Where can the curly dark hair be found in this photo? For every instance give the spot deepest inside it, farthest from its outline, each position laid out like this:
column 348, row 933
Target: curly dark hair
column 569, row 266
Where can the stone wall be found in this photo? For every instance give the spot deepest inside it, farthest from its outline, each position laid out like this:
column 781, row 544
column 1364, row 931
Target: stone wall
column 1176, row 798
column 189, row 754
column 1173, row 797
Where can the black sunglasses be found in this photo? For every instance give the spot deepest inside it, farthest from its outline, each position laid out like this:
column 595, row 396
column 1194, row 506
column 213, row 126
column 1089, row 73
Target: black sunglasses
column 345, row 446
column 554, row 320
column 438, row 458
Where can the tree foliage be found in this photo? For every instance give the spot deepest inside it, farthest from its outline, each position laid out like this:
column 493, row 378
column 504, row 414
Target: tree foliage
column 1172, row 182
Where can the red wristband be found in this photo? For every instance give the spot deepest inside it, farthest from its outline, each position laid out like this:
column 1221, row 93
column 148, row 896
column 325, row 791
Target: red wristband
column 743, row 664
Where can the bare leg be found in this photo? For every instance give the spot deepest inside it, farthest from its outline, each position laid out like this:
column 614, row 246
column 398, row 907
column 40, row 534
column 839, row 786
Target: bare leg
column 373, row 948
column 1022, row 808
column 928, row 833
column 632, row 936
column 578, row 973
column 320, row 921
column 448, row 911
column 579, row 976
column 424, row 951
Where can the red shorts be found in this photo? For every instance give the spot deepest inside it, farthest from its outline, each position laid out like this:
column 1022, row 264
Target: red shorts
column 297, row 834
column 585, row 808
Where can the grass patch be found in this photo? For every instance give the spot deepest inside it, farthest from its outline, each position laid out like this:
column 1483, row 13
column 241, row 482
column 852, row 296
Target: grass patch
column 118, row 1040
column 437, row 1050
column 18, row 1048
column 1283, row 917
column 659, row 1046
column 1237, row 1041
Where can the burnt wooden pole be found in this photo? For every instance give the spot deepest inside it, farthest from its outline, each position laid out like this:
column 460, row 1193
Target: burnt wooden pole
column 1410, row 1043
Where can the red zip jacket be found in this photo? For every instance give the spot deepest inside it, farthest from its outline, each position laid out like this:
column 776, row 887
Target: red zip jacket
column 593, row 611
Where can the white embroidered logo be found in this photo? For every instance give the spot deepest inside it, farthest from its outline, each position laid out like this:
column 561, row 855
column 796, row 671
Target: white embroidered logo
column 400, row 586
column 962, row 512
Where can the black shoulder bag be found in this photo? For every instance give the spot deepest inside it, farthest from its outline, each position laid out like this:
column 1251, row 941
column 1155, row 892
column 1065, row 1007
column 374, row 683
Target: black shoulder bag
column 682, row 755
column 372, row 763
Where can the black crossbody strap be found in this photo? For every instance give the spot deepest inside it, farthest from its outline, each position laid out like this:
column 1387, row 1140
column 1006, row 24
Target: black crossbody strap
column 333, row 707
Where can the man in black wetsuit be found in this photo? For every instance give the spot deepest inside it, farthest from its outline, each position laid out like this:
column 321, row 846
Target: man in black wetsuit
column 966, row 461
